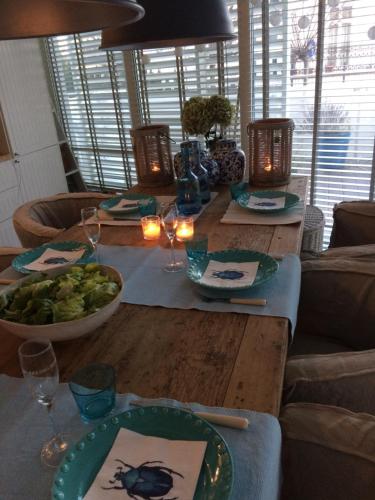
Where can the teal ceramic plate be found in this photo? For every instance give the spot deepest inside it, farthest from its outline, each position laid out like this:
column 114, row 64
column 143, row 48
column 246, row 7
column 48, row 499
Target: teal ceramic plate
column 146, row 204
column 290, row 201
column 267, row 266
column 26, row 258
column 84, row 459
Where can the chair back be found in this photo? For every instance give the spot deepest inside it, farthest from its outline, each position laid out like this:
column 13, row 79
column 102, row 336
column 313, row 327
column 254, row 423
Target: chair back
column 353, row 224
column 42, row 220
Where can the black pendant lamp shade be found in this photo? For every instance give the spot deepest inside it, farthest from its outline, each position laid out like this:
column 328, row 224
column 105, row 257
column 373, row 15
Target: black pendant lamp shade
column 35, row 18
column 171, row 23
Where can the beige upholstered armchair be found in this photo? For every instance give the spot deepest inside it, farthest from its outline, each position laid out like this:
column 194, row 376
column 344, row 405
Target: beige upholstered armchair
column 39, row 221
column 337, row 304
column 353, row 224
column 328, row 417
column 328, row 453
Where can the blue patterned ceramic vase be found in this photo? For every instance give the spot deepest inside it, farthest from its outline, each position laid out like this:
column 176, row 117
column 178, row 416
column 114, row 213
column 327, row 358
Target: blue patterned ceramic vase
column 206, row 160
column 231, row 161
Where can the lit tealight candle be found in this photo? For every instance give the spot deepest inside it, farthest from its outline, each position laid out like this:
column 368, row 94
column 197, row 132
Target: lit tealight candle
column 151, row 227
column 185, row 228
column 155, row 167
column 268, row 165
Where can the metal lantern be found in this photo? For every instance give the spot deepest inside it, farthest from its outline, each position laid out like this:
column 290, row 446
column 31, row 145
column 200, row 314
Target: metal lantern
column 270, row 151
column 153, row 158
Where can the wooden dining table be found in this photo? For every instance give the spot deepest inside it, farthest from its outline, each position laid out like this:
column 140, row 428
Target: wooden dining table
column 214, row 358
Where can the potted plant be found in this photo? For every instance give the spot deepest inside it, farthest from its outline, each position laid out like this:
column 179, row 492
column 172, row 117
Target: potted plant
column 207, row 116
column 333, row 134
column 210, row 117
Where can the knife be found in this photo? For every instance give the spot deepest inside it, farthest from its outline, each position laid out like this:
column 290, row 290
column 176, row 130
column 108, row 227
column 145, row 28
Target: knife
column 247, row 302
column 126, row 218
column 4, row 281
column 214, row 418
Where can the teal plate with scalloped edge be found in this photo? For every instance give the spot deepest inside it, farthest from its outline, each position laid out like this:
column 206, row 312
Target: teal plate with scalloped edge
column 266, row 269
column 146, row 204
column 83, row 460
column 26, row 258
column 291, row 200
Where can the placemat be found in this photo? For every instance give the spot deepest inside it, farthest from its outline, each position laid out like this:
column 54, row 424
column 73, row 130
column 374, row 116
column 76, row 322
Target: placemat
column 25, row 427
column 239, row 215
column 147, row 284
column 134, row 219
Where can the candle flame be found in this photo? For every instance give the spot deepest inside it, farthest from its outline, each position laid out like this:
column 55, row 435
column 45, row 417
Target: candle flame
column 155, row 167
column 268, row 165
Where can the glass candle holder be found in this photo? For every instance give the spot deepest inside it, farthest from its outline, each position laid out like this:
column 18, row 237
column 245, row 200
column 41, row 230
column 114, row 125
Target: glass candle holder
column 185, row 228
column 151, row 227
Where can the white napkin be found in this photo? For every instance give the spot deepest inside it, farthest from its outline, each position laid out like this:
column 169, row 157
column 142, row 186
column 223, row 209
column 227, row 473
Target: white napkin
column 124, row 204
column 51, row 258
column 229, row 274
column 266, row 203
column 175, row 463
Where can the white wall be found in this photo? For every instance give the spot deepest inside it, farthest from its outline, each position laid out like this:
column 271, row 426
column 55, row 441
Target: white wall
column 36, row 169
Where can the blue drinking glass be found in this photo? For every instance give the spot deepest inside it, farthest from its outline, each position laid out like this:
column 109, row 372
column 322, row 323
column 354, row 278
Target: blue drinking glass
column 237, row 189
column 94, row 390
column 147, row 207
column 197, row 246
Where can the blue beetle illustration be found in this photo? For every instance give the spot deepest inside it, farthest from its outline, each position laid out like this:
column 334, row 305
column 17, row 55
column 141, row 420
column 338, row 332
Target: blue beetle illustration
column 56, row 260
column 145, row 482
column 228, row 275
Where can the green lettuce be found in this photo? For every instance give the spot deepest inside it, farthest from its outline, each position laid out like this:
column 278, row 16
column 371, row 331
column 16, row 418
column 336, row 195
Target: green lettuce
column 69, row 296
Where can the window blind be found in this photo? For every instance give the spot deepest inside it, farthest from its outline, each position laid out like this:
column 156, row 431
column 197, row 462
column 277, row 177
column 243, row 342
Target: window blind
column 92, row 94
column 339, row 100
column 170, row 76
column 310, row 60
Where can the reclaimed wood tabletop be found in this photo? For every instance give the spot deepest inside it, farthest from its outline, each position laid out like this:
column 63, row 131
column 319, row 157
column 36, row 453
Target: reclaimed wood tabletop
column 218, row 359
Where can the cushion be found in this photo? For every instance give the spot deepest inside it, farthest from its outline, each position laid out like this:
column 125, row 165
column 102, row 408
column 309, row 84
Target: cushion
column 344, row 379
column 337, row 301
column 316, row 344
column 353, row 224
column 328, row 453
column 363, row 252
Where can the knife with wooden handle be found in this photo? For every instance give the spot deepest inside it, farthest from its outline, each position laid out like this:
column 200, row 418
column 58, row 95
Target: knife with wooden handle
column 214, row 418
column 247, row 302
column 4, row 281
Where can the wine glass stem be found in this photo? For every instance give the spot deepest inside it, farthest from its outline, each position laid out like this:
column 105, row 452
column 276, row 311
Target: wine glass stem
column 172, row 251
column 95, row 249
column 56, row 431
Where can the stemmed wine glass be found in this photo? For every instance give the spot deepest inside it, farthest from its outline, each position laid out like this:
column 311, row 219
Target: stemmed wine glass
column 91, row 226
column 169, row 216
column 39, row 367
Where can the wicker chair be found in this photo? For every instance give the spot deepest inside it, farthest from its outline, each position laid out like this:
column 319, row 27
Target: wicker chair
column 7, row 254
column 313, row 230
column 40, row 221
